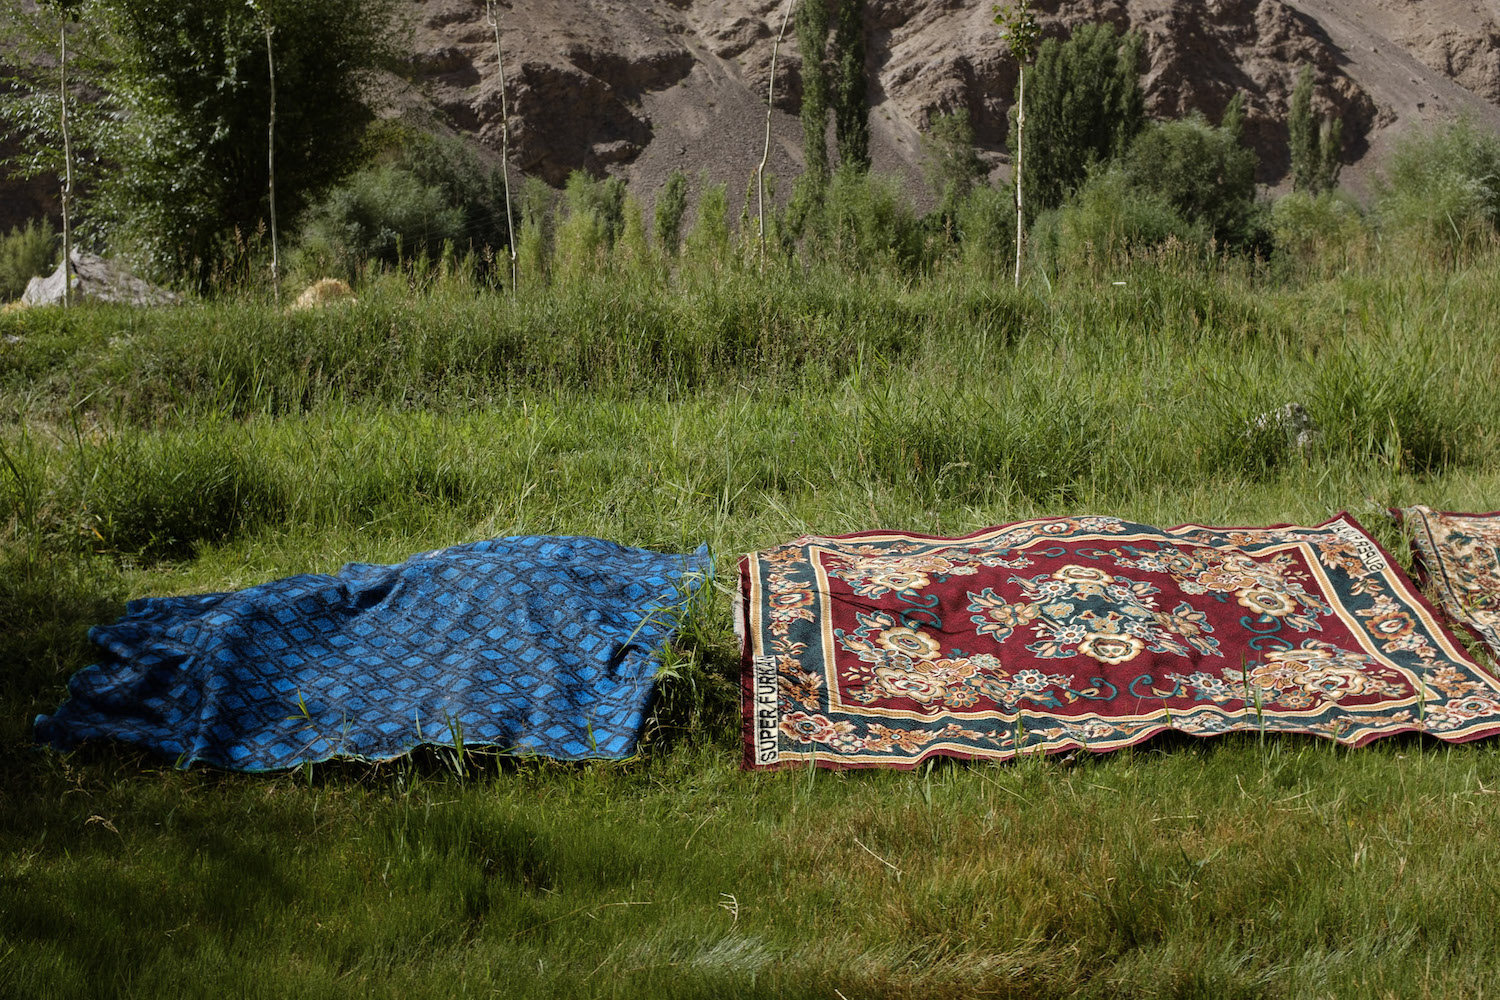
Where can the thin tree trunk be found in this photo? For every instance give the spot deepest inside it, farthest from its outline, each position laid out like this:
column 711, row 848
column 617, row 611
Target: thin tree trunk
column 271, row 163
column 67, row 191
column 1020, row 148
column 510, row 222
column 765, row 156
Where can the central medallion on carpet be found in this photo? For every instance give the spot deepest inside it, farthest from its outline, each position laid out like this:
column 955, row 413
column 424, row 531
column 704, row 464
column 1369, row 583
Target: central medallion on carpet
column 1089, row 632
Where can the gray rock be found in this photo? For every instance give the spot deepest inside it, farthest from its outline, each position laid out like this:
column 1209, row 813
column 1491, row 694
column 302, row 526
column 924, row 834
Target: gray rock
column 1292, row 420
column 98, row 280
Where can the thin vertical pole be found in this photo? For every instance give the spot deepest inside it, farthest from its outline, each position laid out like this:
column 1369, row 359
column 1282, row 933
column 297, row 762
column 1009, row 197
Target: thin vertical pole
column 271, row 163
column 67, row 191
column 510, row 222
column 765, row 156
column 1020, row 148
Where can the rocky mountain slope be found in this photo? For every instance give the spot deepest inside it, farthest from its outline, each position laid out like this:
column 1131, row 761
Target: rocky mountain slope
column 640, row 87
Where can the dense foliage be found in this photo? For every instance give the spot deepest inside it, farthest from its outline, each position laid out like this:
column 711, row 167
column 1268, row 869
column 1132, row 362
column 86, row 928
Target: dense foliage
column 25, row 252
column 1316, row 142
column 1440, row 190
column 812, row 44
column 1084, row 105
column 949, row 160
column 1203, row 172
column 671, row 206
column 192, row 79
column 851, row 117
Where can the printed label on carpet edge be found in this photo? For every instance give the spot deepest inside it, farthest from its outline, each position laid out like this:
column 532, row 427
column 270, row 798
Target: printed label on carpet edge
column 767, row 711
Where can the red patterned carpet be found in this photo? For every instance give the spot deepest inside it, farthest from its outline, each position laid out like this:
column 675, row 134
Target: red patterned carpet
column 1094, row 633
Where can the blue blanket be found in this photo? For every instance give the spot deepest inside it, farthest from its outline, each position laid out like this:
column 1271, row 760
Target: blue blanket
column 533, row 645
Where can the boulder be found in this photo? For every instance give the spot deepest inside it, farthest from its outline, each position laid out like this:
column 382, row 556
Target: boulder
column 96, row 279
column 1294, row 421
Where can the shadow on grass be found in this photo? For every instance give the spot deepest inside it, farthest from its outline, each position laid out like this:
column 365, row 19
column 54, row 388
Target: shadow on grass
column 47, row 607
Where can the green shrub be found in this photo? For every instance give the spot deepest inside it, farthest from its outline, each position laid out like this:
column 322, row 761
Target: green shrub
column 381, row 214
column 866, row 220
column 671, row 206
column 985, row 224
column 533, row 258
column 536, row 202
column 708, row 242
column 534, row 244
column 1107, row 219
column 478, row 189
column 26, row 252
column 603, row 199
column 950, row 163
column 1319, row 232
column 593, row 221
column 580, row 245
column 1440, row 191
column 1202, row 172
column 631, row 250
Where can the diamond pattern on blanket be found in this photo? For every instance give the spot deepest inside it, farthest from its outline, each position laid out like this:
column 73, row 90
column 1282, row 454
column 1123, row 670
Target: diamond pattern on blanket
column 535, row 645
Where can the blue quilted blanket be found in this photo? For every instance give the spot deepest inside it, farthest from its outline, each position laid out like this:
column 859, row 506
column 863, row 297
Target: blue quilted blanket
column 533, row 645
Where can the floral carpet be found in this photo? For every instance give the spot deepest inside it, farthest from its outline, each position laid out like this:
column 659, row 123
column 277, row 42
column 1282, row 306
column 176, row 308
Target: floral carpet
column 1458, row 556
column 885, row 649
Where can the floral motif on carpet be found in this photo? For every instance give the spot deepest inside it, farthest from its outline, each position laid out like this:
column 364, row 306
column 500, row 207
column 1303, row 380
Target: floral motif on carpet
column 1458, row 557
column 1089, row 633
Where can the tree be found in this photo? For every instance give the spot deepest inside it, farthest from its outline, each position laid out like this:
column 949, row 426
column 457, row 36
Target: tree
column 1086, row 107
column 193, row 84
column 671, row 206
column 1203, row 172
column 812, row 42
column 851, row 111
column 1317, row 142
column 510, row 222
column 1018, row 26
column 41, row 111
column 68, row 11
column 268, row 25
column 949, row 159
column 765, row 156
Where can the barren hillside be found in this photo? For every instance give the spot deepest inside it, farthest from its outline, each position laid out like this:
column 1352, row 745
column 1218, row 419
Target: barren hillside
column 641, row 88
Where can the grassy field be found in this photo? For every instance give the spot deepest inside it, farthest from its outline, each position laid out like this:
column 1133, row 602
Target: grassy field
column 223, row 444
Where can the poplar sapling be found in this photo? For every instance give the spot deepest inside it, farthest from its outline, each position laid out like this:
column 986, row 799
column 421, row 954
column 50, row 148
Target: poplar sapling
column 510, row 225
column 1019, row 29
column 760, row 171
column 268, row 28
column 67, row 10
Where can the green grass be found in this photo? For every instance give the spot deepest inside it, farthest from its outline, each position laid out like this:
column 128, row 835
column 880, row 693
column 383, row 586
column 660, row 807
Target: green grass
column 223, row 444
